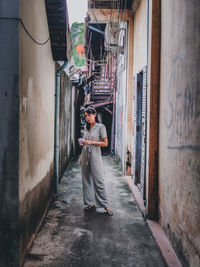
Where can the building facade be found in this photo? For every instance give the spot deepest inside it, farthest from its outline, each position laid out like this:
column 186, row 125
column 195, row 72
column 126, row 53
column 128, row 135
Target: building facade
column 34, row 36
column 156, row 133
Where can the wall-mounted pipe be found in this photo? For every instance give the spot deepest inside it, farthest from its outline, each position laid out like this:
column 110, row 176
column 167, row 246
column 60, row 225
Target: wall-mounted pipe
column 147, row 82
column 57, row 124
column 147, row 44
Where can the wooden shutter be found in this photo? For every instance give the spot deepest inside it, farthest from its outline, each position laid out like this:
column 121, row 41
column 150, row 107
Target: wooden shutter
column 134, row 125
column 144, row 126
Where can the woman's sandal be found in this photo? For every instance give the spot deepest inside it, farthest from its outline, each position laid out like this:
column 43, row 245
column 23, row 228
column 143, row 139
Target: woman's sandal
column 90, row 207
column 108, row 212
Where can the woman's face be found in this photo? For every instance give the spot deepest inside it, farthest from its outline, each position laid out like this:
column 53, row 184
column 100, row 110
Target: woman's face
column 90, row 118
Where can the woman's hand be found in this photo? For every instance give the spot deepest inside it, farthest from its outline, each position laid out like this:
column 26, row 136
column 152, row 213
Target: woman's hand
column 86, row 142
column 103, row 143
column 80, row 141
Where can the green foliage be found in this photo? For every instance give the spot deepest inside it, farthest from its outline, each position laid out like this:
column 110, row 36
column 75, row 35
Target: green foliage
column 77, row 36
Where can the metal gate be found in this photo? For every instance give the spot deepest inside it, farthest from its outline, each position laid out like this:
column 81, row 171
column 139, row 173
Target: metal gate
column 139, row 131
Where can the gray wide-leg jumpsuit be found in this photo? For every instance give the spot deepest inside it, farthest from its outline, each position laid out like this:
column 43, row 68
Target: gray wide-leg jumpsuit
column 92, row 168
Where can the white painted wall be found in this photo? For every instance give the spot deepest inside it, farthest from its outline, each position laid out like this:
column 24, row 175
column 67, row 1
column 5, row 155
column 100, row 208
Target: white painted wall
column 37, row 87
column 121, row 98
column 140, row 38
column 36, row 120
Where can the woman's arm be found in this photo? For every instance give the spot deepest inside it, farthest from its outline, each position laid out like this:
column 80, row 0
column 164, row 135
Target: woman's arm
column 102, row 143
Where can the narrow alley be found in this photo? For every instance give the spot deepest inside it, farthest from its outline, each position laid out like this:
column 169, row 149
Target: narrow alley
column 121, row 77
column 68, row 237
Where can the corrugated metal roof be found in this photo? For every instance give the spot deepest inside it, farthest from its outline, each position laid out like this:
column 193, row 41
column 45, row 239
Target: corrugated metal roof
column 57, row 16
column 110, row 4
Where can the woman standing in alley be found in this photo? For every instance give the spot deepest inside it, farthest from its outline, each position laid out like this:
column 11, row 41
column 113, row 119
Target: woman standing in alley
column 95, row 136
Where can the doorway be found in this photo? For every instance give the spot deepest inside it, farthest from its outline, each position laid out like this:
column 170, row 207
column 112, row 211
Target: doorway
column 139, row 132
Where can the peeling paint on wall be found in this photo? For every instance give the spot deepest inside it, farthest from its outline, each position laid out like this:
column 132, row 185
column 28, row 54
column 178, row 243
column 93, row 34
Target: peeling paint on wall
column 179, row 137
column 182, row 114
column 36, row 122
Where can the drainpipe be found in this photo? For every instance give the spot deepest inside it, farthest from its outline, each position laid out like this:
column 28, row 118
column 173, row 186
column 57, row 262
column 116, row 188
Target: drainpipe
column 147, row 4
column 57, row 120
column 147, row 71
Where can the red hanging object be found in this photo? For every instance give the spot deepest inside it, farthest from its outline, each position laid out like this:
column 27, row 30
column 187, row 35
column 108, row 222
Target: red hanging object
column 80, row 49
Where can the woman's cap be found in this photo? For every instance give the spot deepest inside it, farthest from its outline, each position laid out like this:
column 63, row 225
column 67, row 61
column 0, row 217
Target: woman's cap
column 90, row 108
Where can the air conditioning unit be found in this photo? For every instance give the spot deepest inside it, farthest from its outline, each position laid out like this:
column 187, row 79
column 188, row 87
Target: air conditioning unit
column 111, row 38
column 111, row 33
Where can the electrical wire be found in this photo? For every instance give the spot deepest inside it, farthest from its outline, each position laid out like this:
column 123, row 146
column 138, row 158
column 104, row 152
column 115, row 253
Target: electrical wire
column 98, row 24
column 119, row 2
column 89, row 44
column 114, row 16
column 125, row 7
column 26, row 30
column 115, row 9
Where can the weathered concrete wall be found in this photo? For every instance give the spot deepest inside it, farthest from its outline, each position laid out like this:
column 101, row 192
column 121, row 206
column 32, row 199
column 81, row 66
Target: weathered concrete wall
column 104, row 15
column 121, row 98
column 153, row 91
column 137, row 60
column 179, row 163
column 66, row 122
column 148, row 98
column 9, row 133
column 138, row 52
column 73, row 118
column 140, row 38
column 130, row 93
column 36, row 122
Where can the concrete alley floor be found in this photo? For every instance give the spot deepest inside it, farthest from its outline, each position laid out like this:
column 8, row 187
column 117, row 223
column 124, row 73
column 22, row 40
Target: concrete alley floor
column 69, row 237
